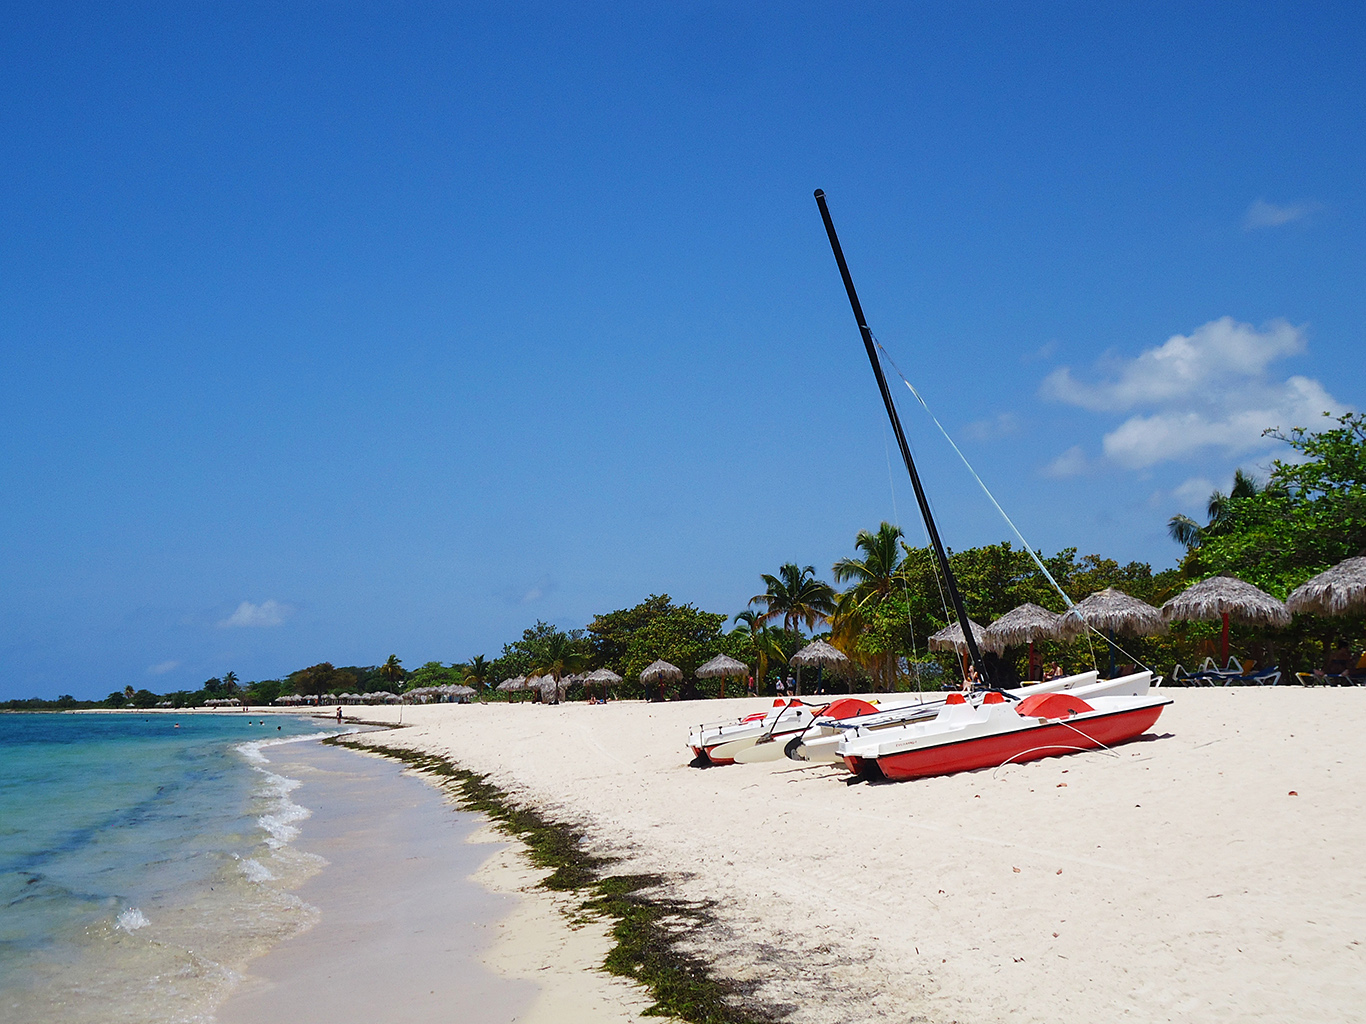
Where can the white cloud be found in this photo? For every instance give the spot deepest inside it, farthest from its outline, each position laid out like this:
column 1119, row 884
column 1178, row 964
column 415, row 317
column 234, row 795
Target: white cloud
column 1070, row 463
column 1262, row 214
column 1194, row 493
column 1000, row 425
column 1211, row 389
column 267, row 613
column 161, row 668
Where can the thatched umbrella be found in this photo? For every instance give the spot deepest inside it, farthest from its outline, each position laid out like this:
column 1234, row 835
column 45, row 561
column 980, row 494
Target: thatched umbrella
column 722, row 666
column 950, row 638
column 659, row 672
column 820, row 654
column 1335, row 591
column 1024, row 625
column 514, row 683
column 1113, row 611
column 1225, row 597
column 605, row 676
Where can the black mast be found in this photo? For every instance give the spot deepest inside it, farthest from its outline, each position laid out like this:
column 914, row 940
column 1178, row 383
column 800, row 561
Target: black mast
column 868, row 344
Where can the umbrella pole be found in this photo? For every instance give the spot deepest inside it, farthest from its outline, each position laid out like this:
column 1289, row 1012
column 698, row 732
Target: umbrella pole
column 1112, row 654
column 1223, row 643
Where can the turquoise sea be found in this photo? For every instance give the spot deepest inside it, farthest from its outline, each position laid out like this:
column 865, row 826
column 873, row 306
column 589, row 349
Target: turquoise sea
column 144, row 859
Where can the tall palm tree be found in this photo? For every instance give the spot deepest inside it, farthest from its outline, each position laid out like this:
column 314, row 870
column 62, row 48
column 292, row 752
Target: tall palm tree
column 766, row 645
column 1190, row 534
column 230, row 683
column 560, row 655
column 795, row 596
column 477, row 672
column 392, row 670
column 876, row 576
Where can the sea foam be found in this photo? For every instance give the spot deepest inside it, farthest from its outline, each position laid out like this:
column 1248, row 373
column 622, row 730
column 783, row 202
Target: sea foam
column 131, row 920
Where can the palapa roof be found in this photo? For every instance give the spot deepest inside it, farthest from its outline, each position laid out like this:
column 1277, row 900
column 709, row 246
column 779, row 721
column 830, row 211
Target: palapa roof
column 660, row 670
column 722, row 665
column 1335, row 591
column 950, row 638
column 818, row 652
column 602, row 675
column 1112, row 609
column 515, row 683
column 1227, row 595
column 1024, row 625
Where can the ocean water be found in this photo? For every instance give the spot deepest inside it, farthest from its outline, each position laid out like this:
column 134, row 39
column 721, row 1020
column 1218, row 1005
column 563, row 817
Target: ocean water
column 143, row 861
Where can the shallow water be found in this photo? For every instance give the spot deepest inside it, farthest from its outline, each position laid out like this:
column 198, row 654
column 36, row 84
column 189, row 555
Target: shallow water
column 143, row 861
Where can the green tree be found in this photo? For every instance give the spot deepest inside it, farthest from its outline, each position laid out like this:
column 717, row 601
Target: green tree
column 561, row 654
column 795, row 596
column 686, row 636
column 1219, row 511
column 392, row 671
column 230, row 684
column 877, row 577
column 478, row 672
column 433, row 673
column 1311, row 514
column 763, row 642
column 610, row 634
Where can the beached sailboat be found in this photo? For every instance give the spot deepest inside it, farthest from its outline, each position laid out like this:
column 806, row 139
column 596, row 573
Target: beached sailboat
column 811, row 732
column 983, row 729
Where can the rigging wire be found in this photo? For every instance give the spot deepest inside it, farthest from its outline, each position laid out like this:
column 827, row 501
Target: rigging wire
column 1009, row 522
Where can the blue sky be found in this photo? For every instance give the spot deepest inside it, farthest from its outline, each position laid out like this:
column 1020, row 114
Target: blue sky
column 336, row 331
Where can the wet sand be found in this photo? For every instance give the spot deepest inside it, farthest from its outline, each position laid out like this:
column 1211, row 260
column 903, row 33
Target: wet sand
column 402, row 927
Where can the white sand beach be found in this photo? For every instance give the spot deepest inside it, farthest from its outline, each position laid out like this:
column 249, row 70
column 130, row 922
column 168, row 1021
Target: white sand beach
column 1212, row 871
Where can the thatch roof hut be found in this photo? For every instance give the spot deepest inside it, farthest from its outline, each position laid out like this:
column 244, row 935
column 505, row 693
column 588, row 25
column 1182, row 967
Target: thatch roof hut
column 1113, row 611
column 1335, row 591
column 818, row 652
column 1227, row 597
column 1026, row 624
column 514, row 683
column 722, row 665
column 950, row 638
column 660, row 671
column 602, row 675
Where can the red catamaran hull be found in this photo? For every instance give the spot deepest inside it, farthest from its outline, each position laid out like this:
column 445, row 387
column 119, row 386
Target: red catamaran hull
column 1030, row 744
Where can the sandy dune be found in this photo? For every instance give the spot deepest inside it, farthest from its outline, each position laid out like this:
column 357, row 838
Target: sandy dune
column 1177, row 881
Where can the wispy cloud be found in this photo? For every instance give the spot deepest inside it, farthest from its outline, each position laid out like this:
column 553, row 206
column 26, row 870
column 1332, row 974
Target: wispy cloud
column 1262, row 214
column 162, row 667
column 1211, row 389
column 1070, row 463
column 267, row 613
column 1045, row 351
column 998, row 426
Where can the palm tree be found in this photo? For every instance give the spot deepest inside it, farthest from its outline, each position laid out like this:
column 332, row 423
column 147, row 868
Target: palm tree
column 230, row 683
column 876, row 577
column 560, row 655
column 795, row 596
column 1190, row 534
column 477, row 672
column 766, row 645
column 392, row 670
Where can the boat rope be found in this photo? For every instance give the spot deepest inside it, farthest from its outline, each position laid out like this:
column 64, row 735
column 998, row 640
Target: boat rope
column 1009, row 522
column 980, row 482
column 1058, row 746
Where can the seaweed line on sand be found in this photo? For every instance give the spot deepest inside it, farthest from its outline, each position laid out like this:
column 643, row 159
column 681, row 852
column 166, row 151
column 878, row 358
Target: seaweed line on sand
column 648, row 929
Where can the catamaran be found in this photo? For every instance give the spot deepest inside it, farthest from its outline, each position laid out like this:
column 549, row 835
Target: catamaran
column 806, row 732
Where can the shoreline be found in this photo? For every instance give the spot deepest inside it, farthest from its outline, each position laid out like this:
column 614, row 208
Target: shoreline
column 421, row 907
column 1206, row 872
